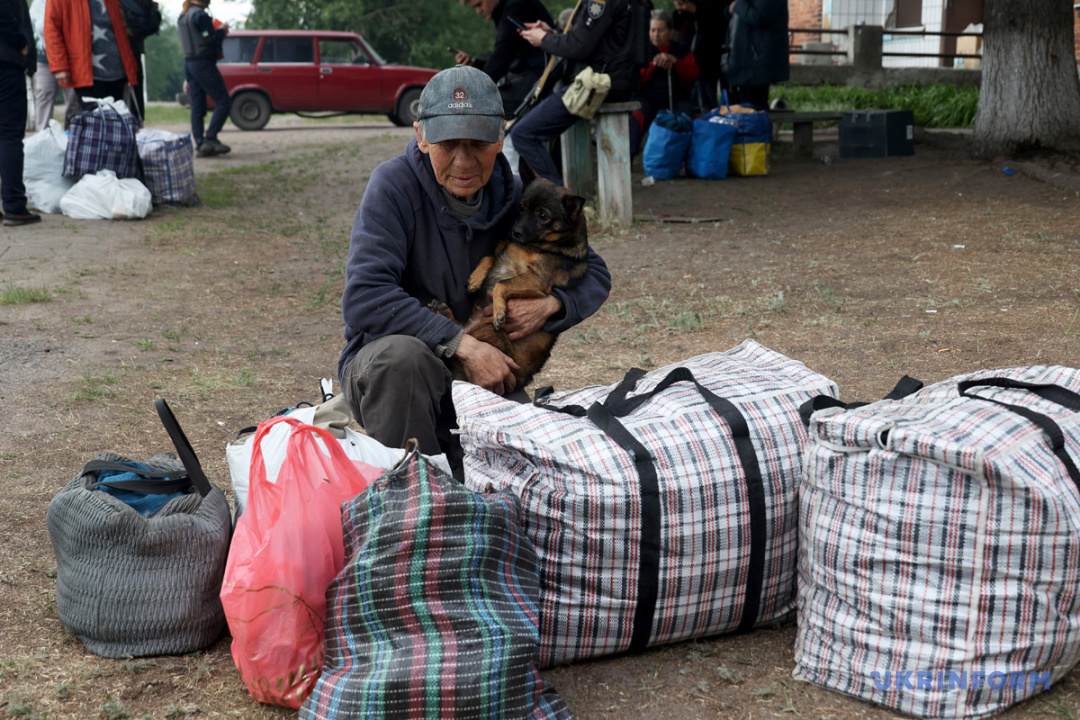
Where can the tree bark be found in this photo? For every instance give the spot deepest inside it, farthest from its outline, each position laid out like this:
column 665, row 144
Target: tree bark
column 1030, row 93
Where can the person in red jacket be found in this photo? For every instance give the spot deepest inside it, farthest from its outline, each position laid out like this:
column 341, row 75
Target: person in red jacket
column 88, row 47
column 666, row 82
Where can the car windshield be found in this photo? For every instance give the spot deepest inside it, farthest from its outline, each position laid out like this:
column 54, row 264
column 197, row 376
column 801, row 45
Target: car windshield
column 374, row 55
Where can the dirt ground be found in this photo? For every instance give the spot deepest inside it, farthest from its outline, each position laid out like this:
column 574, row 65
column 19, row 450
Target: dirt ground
column 865, row 270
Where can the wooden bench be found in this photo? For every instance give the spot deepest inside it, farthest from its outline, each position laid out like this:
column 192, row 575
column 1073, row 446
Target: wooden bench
column 803, row 127
column 608, row 177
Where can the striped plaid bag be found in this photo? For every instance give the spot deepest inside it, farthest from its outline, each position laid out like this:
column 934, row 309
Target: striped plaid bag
column 435, row 612
column 660, row 516
column 168, row 166
column 939, row 557
column 102, row 139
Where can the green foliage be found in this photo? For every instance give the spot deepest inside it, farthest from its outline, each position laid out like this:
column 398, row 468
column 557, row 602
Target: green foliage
column 164, row 63
column 941, row 106
column 409, row 32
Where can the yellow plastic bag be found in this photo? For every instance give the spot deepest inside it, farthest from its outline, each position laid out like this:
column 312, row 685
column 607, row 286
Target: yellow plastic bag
column 750, row 158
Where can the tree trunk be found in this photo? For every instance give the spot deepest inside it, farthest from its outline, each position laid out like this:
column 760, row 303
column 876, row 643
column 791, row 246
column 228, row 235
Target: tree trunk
column 1030, row 93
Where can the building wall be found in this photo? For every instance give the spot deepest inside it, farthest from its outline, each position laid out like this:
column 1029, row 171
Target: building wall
column 842, row 13
column 804, row 14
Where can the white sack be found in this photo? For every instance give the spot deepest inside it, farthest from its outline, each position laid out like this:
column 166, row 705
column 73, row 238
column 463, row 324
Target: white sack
column 357, row 446
column 103, row 196
column 43, row 168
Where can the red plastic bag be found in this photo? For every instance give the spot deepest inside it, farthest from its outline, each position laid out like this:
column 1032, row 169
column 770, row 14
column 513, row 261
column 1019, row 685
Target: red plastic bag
column 285, row 551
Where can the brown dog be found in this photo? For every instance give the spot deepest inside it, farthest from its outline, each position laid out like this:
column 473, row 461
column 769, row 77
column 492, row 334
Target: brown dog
column 548, row 248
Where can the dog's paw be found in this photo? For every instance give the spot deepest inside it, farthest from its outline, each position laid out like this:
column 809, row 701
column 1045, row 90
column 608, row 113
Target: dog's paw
column 440, row 308
column 498, row 320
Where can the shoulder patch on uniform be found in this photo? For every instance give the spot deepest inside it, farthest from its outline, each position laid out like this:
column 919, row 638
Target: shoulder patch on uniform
column 596, row 8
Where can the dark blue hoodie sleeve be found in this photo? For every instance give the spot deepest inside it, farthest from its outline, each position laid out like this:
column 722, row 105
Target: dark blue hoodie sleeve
column 374, row 302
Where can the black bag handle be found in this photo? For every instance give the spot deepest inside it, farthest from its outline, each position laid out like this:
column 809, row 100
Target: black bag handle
column 1053, row 393
column 605, row 416
column 183, row 448
column 167, row 484
column 1047, row 391
column 905, row 386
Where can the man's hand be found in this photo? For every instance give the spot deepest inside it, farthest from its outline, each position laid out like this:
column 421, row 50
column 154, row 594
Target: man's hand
column 664, row 61
column 536, row 33
column 486, row 366
column 63, row 77
column 464, row 58
column 524, row 316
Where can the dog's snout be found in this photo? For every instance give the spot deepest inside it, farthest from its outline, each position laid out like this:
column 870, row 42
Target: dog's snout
column 516, row 233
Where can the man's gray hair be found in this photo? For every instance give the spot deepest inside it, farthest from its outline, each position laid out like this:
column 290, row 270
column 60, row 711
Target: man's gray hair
column 663, row 16
column 422, row 129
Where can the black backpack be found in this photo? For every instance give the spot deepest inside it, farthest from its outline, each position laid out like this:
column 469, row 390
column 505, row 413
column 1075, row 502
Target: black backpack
column 141, row 17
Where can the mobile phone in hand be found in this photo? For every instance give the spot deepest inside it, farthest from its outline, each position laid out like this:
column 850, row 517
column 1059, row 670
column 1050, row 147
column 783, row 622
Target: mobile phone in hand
column 450, row 49
column 517, row 24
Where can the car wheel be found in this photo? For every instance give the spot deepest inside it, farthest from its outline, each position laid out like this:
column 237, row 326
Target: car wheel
column 408, row 108
column 250, row 110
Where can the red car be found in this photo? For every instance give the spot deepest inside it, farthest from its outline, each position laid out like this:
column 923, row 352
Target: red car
column 270, row 71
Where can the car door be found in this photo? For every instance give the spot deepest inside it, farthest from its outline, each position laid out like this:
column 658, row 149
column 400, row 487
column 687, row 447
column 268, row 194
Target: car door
column 286, row 68
column 349, row 78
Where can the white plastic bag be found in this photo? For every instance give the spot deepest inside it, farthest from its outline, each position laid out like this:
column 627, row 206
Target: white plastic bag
column 43, row 168
column 357, row 446
column 103, row 196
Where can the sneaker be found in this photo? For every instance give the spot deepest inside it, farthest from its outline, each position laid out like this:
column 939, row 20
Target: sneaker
column 205, row 150
column 218, row 148
column 26, row 218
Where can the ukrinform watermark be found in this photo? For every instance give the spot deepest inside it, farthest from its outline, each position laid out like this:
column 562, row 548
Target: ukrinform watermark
column 963, row 680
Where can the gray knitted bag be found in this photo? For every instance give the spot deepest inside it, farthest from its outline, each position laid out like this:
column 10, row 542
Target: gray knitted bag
column 129, row 585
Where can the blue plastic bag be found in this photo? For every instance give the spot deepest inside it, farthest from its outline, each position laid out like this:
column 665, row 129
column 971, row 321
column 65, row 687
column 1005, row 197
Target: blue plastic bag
column 710, row 147
column 669, row 142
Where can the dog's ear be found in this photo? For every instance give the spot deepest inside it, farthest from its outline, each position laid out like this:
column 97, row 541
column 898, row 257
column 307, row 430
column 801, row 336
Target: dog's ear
column 573, row 205
column 527, row 174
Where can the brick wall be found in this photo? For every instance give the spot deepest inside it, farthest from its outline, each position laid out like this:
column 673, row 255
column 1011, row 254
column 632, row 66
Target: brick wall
column 804, row 14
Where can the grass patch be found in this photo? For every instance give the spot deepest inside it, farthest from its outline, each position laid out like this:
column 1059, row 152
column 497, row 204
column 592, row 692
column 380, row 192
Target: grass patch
column 92, row 389
column 174, row 114
column 937, row 106
column 14, row 295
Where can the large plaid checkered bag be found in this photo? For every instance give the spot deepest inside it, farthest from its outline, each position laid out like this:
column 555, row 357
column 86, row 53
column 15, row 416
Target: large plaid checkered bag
column 660, row 516
column 939, row 553
column 435, row 614
column 168, row 166
column 102, row 139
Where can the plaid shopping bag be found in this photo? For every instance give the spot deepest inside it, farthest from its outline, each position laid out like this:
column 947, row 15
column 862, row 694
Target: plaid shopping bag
column 436, row 613
column 168, row 166
column 657, row 516
column 102, row 139
column 939, row 544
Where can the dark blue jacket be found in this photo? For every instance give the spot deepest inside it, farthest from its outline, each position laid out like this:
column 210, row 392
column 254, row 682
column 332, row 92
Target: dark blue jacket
column 758, row 43
column 408, row 249
column 16, row 33
column 512, row 53
column 600, row 37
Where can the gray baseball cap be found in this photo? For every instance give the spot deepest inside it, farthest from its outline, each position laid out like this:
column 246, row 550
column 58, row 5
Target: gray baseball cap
column 461, row 103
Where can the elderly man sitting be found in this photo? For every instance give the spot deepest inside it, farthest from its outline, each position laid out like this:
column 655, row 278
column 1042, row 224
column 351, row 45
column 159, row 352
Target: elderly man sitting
column 427, row 218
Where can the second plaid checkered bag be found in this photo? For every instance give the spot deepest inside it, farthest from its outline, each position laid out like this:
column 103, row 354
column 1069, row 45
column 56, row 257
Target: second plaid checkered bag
column 102, row 139
column 657, row 516
column 168, row 166
column 435, row 614
column 939, row 552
